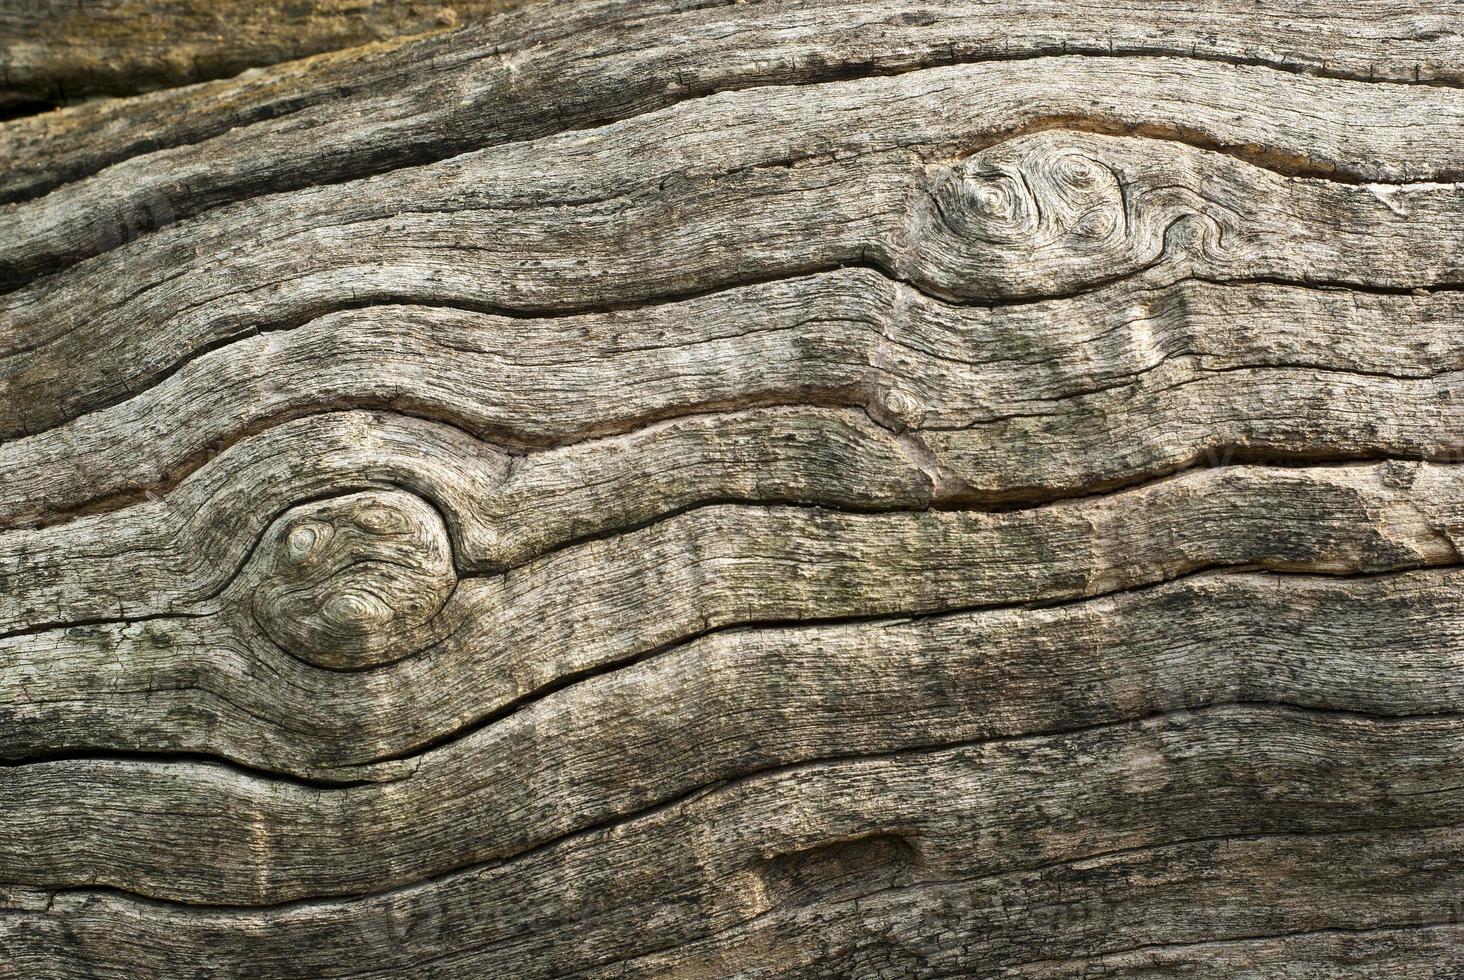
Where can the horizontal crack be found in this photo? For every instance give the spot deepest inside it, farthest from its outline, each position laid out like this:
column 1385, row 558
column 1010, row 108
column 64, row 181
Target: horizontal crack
column 510, row 441
column 619, row 822
column 1119, row 853
column 385, row 161
column 200, row 759
column 418, row 753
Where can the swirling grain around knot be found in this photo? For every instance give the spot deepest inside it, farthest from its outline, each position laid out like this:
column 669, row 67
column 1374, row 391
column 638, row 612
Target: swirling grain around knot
column 345, row 582
column 487, row 231
column 1058, row 212
column 1031, row 194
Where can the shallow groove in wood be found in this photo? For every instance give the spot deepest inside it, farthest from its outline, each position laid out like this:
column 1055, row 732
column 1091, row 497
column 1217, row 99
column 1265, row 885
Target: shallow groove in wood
column 36, row 489
column 373, row 770
column 790, row 956
column 140, row 218
column 1013, row 969
column 192, row 762
column 1378, row 931
column 282, row 888
column 1330, row 893
column 79, row 893
column 1421, row 534
column 808, row 72
column 507, row 440
column 16, row 274
column 475, row 717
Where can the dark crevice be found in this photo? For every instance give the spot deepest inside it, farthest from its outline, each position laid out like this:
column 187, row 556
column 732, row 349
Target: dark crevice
column 23, row 108
column 447, row 739
column 386, row 71
column 1197, row 373
column 1336, row 285
column 619, row 822
column 1281, row 162
column 176, row 758
column 814, row 74
column 511, row 440
column 361, row 301
column 408, row 153
column 70, row 624
column 1216, row 456
column 417, row 753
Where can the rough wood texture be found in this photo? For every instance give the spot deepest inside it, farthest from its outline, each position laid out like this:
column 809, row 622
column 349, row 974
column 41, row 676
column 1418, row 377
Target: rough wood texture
column 54, row 50
column 783, row 489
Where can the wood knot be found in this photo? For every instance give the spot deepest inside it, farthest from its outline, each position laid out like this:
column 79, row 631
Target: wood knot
column 343, row 583
column 1036, row 195
column 901, row 408
column 1040, row 215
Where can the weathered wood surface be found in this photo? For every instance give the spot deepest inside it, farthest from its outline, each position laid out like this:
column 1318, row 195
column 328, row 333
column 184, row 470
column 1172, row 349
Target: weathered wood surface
column 54, row 50
column 785, row 489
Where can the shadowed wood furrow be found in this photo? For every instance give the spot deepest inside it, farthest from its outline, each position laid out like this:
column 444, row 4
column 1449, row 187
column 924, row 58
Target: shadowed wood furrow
column 1069, row 792
column 768, row 689
column 1121, row 383
column 564, row 65
column 367, row 579
column 70, row 48
column 1351, row 892
column 759, row 490
column 766, row 872
column 1423, row 949
column 1294, row 124
column 177, row 686
column 774, row 559
column 1354, row 901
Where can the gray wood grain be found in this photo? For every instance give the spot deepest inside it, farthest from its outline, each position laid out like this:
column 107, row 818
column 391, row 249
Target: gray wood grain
column 1122, row 383
column 582, row 63
column 701, row 490
column 1315, row 127
column 885, row 916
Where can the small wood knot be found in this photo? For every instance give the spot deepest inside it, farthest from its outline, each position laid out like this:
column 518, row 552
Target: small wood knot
column 345, row 582
column 1030, row 193
column 903, row 406
column 1045, row 214
column 1097, row 224
column 989, row 206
